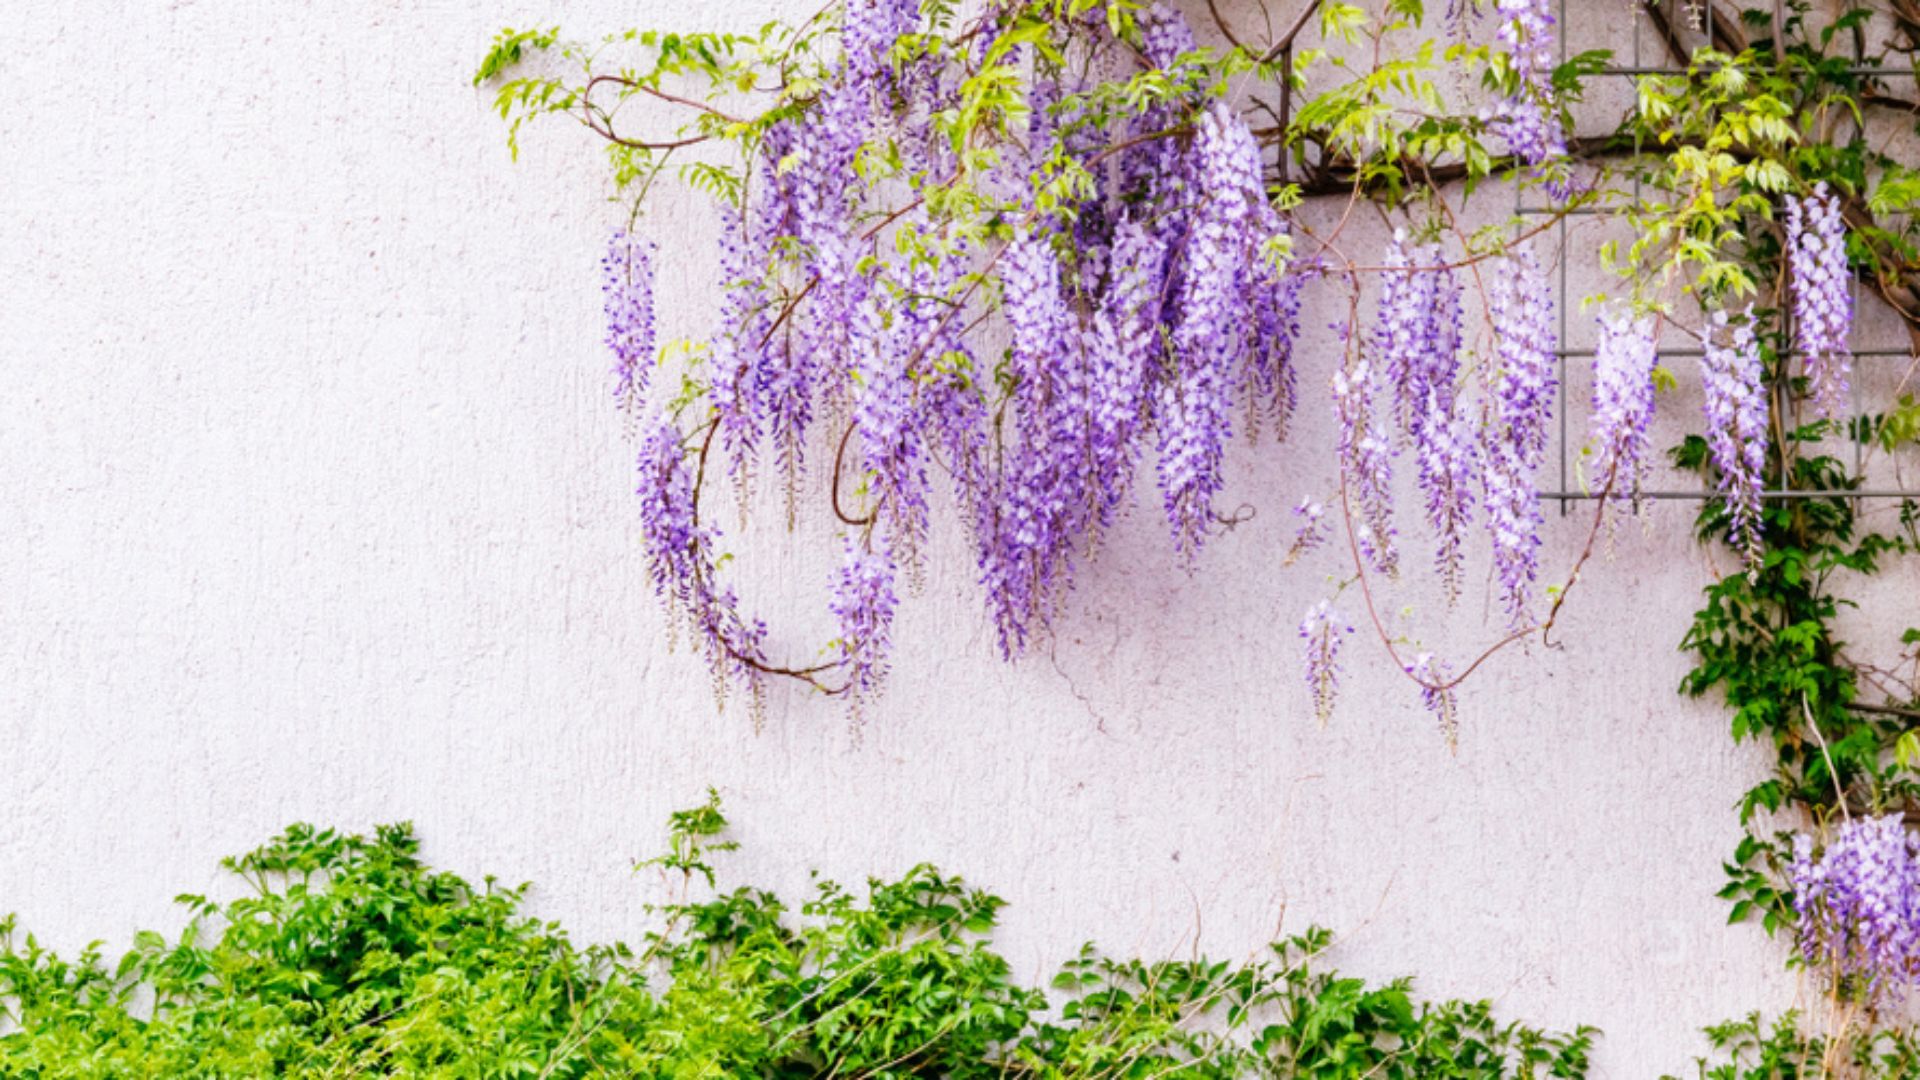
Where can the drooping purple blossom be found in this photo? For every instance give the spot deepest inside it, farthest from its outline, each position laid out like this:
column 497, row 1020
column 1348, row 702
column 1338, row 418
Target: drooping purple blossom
column 1417, row 330
column 1272, row 382
column 1524, row 384
column 738, row 378
column 1123, row 348
column 1431, row 673
column 1165, row 35
column 863, row 605
column 1313, row 530
column 672, row 539
column 1449, row 463
column 869, row 30
column 826, row 145
column 681, row 564
column 1859, row 904
column 1026, row 547
column 1822, row 295
column 1418, row 336
column 1195, row 413
column 1366, row 462
column 786, row 372
column 1526, row 117
column 1526, row 29
column 1513, row 523
column 627, row 273
column 1622, row 401
column 1321, row 633
column 1396, row 320
column 1736, row 411
column 885, row 417
column 1521, row 391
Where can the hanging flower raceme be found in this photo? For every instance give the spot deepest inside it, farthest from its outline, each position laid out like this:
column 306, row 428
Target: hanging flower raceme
column 1622, row 401
column 627, row 285
column 674, row 542
column 1736, row 408
column 892, row 343
column 1321, row 633
column 1513, row 522
column 737, row 386
column 1405, row 299
column 870, row 29
column 680, row 561
column 1526, row 118
column 1272, row 382
column 1418, row 335
column 1311, row 532
column 1449, row 462
column 1123, row 348
column 1520, row 400
column 1524, row 381
column 1026, row 542
column 1859, row 904
column 1822, row 295
column 1431, row 673
column 1366, row 463
column 786, row 373
column 1210, row 341
column 1165, row 35
column 863, row 605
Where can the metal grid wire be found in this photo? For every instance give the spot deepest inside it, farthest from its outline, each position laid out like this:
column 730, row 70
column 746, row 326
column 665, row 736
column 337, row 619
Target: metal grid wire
column 1566, row 494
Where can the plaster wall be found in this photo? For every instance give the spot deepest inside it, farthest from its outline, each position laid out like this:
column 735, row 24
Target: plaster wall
column 314, row 506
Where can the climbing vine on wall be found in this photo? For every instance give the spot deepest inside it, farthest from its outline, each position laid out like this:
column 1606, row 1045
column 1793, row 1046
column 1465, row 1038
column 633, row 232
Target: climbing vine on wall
column 1038, row 261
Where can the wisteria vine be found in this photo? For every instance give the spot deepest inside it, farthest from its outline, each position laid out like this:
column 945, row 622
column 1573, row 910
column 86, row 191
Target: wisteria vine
column 1041, row 264
column 1110, row 210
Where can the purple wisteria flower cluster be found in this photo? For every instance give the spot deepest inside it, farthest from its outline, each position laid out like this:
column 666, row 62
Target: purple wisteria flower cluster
column 627, row 285
column 1859, row 904
column 1822, row 295
column 1520, row 394
column 863, row 604
column 1321, row 633
column 1622, row 402
column 1469, row 458
column 1147, row 322
column 1736, row 408
column 1527, row 117
column 1418, row 338
column 1142, row 316
column 682, row 565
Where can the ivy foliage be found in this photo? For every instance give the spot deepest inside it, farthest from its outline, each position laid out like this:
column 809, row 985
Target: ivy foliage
column 349, row 956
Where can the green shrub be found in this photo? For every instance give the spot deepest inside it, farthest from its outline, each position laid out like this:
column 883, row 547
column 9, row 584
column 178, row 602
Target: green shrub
column 1751, row 1049
column 350, row 957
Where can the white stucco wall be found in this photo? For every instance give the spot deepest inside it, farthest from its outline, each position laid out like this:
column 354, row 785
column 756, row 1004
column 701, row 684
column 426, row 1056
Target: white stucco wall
column 315, row 507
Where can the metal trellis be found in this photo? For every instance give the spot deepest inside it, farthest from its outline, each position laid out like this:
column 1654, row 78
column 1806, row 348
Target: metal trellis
column 1566, row 493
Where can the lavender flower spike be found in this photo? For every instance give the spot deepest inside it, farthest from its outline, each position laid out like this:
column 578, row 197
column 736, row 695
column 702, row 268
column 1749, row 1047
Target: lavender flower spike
column 1622, row 401
column 1438, row 698
column 863, row 604
column 1521, row 395
column 1822, row 294
column 1859, row 904
column 1320, row 634
column 1736, row 408
column 627, row 270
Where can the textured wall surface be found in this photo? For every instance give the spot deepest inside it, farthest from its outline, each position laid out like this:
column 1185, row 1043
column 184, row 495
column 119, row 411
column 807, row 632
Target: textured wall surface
column 315, row 507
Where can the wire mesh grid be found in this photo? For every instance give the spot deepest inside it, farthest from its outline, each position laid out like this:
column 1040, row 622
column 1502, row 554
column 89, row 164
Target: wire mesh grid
column 1566, row 494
